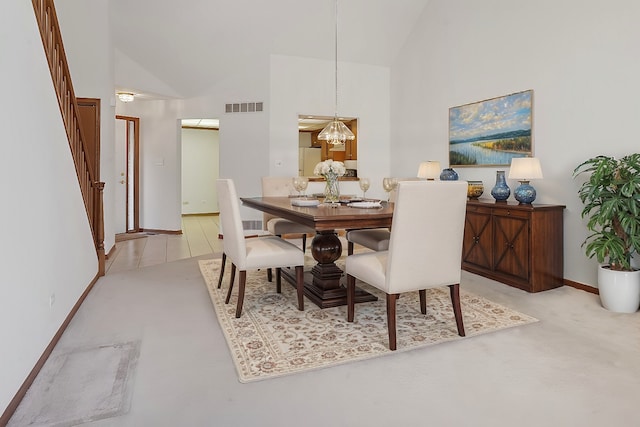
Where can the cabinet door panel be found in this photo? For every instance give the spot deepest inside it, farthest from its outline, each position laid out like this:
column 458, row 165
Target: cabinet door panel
column 511, row 237
column 476, row 246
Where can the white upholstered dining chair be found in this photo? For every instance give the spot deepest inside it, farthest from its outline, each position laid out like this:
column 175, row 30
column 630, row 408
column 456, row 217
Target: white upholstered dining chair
column 281, row 186
column 376, row 239
column 425, row 249
column 247, row 234
column 255, row 253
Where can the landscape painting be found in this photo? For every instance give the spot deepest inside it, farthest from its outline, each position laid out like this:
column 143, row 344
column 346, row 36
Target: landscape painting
column 491, row 132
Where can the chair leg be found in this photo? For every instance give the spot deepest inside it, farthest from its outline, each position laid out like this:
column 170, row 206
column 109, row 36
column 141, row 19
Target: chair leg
column 423, row 301
column 349, row 248
column 457, row 310
column 270, row 271
column 278, row 280
column 233, row 277
column 391, row 320
column 300, row 286
column 242, row 282
column 351, row 297
column 224, row 261
column 304, row 243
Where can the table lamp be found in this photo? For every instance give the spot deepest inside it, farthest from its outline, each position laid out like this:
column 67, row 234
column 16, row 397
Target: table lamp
column 429, row 170
column 525, row 169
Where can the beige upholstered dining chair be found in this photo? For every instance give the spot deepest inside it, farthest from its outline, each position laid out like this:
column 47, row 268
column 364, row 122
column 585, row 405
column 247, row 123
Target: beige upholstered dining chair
column 376, row 239
column 425, row 249
column 255, row 253
column 247, row 234
column 281, row 186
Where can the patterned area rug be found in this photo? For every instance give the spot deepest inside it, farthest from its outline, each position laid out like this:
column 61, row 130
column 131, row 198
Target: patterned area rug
column 272, row 338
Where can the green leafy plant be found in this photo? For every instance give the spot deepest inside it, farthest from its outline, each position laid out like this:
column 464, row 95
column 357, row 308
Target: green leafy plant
column 611, row 198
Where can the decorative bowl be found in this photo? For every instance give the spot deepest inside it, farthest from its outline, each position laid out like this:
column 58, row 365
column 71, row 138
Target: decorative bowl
column 475, row 189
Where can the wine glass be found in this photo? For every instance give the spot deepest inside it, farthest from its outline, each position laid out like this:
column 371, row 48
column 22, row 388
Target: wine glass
column 389, row 184
column 394, row 183
column 297, row 184
column 364, row 186
column 303, row 182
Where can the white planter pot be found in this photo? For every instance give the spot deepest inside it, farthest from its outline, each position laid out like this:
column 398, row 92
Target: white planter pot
column 619, row 290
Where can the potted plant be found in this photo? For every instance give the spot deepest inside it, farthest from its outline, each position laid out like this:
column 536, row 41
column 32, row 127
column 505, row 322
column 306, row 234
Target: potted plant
column 611, row 198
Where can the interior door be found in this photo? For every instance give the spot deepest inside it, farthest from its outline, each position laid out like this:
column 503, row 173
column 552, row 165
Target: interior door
column 89, row 115
column 127, row 174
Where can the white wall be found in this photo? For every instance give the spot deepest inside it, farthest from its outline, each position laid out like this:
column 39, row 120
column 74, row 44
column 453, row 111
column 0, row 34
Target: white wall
column 47, row 248
column 129, row 71
column 200, row 169
column 579, row 57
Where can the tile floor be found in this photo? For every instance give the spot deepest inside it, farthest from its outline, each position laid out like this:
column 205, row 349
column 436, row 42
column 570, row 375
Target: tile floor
column 199, row 237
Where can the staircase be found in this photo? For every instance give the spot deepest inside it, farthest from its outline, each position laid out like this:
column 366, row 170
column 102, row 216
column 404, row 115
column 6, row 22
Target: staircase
column 90, row 186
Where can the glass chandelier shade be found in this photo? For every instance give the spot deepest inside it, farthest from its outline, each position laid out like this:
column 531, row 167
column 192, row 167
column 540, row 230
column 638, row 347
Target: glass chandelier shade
column 336, row 133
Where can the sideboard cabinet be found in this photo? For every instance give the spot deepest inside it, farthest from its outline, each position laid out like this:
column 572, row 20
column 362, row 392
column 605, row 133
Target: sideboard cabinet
column 520, row 245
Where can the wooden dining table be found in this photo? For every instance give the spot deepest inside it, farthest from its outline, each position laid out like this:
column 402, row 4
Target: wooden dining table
column 324, row 283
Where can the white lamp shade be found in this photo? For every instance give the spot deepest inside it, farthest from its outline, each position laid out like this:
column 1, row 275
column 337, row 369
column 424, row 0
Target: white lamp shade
column 525, row 168
column 429, row 170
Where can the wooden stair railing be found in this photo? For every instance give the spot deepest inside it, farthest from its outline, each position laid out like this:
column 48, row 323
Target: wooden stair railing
column 90, row 186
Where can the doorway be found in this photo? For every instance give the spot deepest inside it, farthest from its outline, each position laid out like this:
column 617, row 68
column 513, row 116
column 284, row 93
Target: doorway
column 127, row 168
column 200, row 166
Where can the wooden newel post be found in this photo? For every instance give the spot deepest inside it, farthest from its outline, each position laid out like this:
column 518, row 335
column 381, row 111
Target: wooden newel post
column 98, row 224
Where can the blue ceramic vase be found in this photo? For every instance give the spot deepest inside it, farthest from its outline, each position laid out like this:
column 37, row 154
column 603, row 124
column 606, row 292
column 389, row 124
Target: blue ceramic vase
column 448, row 174
column 525, row 193
column 501, row 191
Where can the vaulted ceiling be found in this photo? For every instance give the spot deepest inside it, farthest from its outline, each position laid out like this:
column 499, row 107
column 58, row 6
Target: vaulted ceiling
column 190, row 45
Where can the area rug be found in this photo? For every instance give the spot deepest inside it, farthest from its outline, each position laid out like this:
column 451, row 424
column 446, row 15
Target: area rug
column 272, row 338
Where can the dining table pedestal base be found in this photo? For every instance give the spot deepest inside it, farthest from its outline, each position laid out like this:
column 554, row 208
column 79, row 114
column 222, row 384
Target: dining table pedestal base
column 325, row 284
column 333, row 297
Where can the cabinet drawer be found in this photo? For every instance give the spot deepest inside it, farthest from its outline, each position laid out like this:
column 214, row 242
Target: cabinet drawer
column 514, row 213
column 479, row 209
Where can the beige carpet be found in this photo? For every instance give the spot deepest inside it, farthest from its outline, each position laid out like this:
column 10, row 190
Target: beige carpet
column 272, row 338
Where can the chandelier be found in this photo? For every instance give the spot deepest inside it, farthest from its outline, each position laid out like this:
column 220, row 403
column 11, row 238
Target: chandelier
column 125, row 96
column 336, row 132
